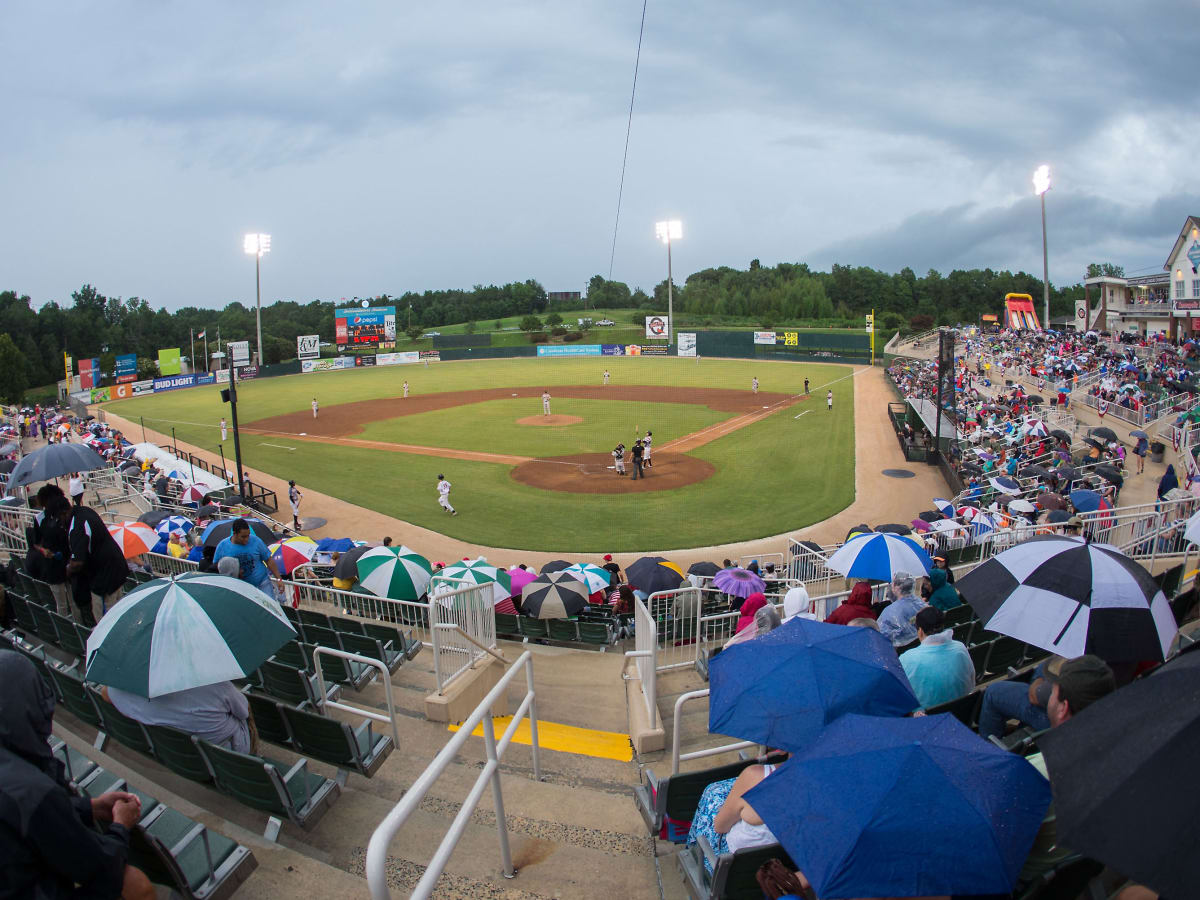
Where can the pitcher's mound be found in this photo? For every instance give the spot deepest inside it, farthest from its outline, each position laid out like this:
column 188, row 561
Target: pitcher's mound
column 593, row 473
column 549, row 420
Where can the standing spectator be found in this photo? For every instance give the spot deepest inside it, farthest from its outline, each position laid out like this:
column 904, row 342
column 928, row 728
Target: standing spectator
column 255, row 565
column 51, row 845
column 49, row 552
column 95, row 557
column 896, row 622
column 75, row 488
column 612, row 567
column 939, row 669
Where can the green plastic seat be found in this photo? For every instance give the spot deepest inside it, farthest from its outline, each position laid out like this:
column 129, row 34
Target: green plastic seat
column 335, row 742
column 322, row 635
column 68, row 635
column 21, row 612
column 402, row 641
column 268, row 719
column 373, row 648
column 74, row 696
column 595, row 633
column 561, row 630
column 344, row 625
column 177, row 751
column 290, row 654
column 336, row 670
column 286, row 683
column 506, row 623
column 312, row 617
column 534, row 628
column 78, row 766
column 45, row 624
column 127, row 731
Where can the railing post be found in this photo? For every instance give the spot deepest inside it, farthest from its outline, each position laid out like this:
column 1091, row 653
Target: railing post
column 489, row 741
column 533, row 726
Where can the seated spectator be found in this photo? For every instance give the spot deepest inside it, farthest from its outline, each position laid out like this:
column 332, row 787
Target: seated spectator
column 864, row 623
column 896, row 622
column 196, row 550
column 796, row 603
column 765, row 619
column 856, row 606
column 726, row 819
column 50, row 845
column 623, row 605
column 208, row 562
column 175, row 545
column 1004, row 700
column 943, row 594
column 217, row 713
column 342, row 584
column 939, row 669
column 746, row 611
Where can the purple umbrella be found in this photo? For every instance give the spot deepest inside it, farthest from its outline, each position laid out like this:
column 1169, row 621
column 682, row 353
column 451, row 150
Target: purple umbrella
column 519, row 578
column 738, row 582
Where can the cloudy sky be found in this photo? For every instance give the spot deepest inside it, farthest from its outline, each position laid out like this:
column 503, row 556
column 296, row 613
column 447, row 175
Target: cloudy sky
column 399, row 146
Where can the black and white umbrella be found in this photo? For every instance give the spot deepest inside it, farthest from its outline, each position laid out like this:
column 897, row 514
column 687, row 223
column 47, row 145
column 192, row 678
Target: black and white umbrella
column 1071, row 597
column 553, row 595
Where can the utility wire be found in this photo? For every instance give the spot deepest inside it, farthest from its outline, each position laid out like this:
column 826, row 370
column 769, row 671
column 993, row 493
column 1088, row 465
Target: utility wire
column 628, row 128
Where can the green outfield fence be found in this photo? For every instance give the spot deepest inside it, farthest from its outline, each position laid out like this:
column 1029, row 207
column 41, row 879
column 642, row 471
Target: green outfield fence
column 821, row 347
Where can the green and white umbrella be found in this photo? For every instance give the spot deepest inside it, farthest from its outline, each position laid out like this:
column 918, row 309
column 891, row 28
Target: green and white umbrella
column 187, row 631
column 478, row 571
column 397, row 573
column 593, row 577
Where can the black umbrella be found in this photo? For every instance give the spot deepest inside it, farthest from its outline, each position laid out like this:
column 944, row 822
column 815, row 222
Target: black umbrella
column 1072, row 597
column 347, row 564
column 218, row 531
column 1050, row 501
column 1111, row 475
column 556, row 565
column 1148, row 732
column 7, row 465
column 811, row 545
column 1103, row 431
column 650, row 574
column 931, row 515
column 1058, row 515
column 1067, row 473
column 1061, row 435
column 1092, row 442
column 125, row 467
column 704, row 569
column 207, row 511
column 1034, row 398
column 1035, row 471
column 553, row 595
column 894, row 528
column 52, row 461
column 971, row 469
column 153, row 517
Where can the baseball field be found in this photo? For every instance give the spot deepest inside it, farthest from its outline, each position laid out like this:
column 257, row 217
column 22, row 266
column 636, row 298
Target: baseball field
column 727, row 464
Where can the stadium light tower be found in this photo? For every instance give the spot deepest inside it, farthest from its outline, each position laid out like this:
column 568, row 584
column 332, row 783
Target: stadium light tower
column 671, row 230
column 257, row 245
column 1041, row 184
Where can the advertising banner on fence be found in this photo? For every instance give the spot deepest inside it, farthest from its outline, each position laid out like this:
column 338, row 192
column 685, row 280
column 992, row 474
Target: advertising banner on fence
column 126, row 367
column 168, row 362
column 657, row 327
column 244, row 372
column 646, row 350
column 764, row 337
column 175, row 382
column 325, row 365
column 206, row 379
column 308, row 346
column 407, row 357
column 367, row 359
column 122, row 391
column 373, row 326
column 100, row 395
column 568, row 350
column 612, row 349
column 239, row 352
column 428, row 356
column 685, row 344
column 142, row 387
column 89, row 373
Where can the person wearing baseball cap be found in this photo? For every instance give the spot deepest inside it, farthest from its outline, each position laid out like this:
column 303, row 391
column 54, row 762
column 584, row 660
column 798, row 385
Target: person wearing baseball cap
column 612, row 567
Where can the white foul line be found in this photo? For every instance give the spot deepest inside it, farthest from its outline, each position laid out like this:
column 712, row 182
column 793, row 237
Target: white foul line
column 280, row 446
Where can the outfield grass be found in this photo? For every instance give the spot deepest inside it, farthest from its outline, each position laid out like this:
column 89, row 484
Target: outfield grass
column 777, row 475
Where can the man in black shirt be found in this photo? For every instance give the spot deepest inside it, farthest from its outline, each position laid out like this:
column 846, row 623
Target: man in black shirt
column 637, row 461
column 95, row 555
column 48, row 551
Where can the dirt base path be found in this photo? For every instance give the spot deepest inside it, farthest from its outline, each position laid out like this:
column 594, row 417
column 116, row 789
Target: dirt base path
column 595, row 473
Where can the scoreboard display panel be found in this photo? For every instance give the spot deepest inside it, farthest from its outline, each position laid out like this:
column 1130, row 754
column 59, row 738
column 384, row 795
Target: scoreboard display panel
column 369, row 328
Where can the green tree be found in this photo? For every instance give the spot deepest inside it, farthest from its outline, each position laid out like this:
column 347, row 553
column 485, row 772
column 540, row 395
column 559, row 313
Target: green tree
column 414, row 332
column 12, row 371
column 531, row 323
column 470, row 327
column 554, row 319
column 498, row 325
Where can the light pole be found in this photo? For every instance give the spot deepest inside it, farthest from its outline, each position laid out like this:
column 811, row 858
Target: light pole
column 671, row 230
column 1041, row 184
column 258, row 244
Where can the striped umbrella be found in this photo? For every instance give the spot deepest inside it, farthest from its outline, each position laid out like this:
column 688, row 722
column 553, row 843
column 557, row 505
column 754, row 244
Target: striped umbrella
column 879, row 556
column 295, row 551
column 967, row 513
column 594, row 577
column 193, row 493
column 1036, row 428
column 134, row 538
column 945, row 507
column 187, row 631
column 478, row 571
column 394, row 572
column 173, row 525
column 553, row 595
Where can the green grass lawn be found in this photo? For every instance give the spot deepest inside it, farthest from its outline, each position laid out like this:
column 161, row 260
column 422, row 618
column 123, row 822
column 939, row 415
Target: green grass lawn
column 780, row 474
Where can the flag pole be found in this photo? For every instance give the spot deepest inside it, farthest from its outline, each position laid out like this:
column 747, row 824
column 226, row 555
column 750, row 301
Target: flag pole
column 192, row 350
column 206, row 360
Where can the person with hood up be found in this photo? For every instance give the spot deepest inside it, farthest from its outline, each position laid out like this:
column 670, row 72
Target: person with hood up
column 944, row 596
column 1168, row 482
column 939, row 668
column 856, row 606
column 765, row 619
column 49, row 845
column 896, row 622
column 796, row 603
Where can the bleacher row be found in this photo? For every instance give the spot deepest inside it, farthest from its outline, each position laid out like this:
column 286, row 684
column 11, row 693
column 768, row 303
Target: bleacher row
column 287, row 711
column 595, row 626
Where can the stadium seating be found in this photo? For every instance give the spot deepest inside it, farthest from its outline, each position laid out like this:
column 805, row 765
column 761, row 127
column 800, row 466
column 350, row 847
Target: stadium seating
column 734, row 875
column 292, row 685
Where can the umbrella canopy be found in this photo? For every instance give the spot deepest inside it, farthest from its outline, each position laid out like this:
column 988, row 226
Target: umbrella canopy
column 553, row 595
column 1149, row 731
column 478, row 571
column 879, row 557
column 1104, row 432
column 1035, row 471
column 703, row 569
column 738, row 582
column 932, row 515
column 518, row 578
column 170, row 525
column 1095, row 444
column 1021, row 506
column 134, row 538
column 52, row 461
column 7, row 465
column 153, row 517
column 1191, row 531
column 1136, row 433
column 394, row 572
column 346, row 568
column 556, row 565
column 218, row 531
column 844, row 807
column 1058, row 515
column 1111, row 475
column 193, row 493
column 1072, row 597
column 176, row 633
column 295, row 551
column 1036, row 428
column 1087, row 501
column 653, row 574
column 828, row 670
column 1051, row 501
column 945, row 507
column 1060, row 434
column 893, row 528
column 1005, row 485
column 593, row 577
column 208, row 511
column 921, row 525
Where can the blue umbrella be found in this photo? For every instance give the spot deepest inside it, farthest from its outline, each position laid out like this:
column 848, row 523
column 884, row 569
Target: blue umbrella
column 904, row 808
column 1086, row 501
column 1139, row 434
column 879, row 556
column 782, row 688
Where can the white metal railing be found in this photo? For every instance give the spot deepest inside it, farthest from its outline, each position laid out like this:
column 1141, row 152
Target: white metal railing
column 469, row 611
column 676, row 617
column 381, row 838
column 676, row 732
column 384, row 676
column 163, row 565
column 411, row 614
column 645, row 657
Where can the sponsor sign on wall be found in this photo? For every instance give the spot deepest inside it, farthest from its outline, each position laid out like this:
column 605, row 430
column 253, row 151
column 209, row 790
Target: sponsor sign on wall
column 239, row 352
column 407, row 357
column 206, row 379
column 308, row 346
column 89, row 373
column 325, row 365
column 653, row 350
column 764, row 337
column 142, row 387
column 657, row 327
column 568, row 350
column 168, row 362
column 126, row 369
column 121, row 391
column 100, row 395
column 612, row 349
column 367, row 359
column 431, row 356
column 685, row 344
column 373, row 326
column 174, row 382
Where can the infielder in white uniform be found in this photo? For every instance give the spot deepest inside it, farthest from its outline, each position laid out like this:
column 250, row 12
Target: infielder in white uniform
column 646, row 450
column 545, row 403
column 444, row 495
column 829, row 400
column 314, row 405
column 406, row 390
column 606, row 376
column 754, row 385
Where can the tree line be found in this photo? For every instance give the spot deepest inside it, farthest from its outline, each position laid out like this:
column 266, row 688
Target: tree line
column 33, row 338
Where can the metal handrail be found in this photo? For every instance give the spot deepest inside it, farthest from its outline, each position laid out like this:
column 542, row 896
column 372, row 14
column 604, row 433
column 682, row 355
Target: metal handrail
column 453, row 626
column 381, row 838
column 376, row 664
column 676, row 756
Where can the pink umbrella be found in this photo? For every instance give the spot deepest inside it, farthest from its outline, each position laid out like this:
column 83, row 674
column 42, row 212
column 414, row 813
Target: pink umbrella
column 738, row 582
column 519, row 578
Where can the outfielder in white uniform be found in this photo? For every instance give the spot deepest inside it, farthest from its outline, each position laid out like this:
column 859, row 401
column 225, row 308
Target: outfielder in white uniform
column 406, row 390
column 829, row 400
column 444, row 495
column 224, row 432
column 606, row 376
column 314, row 406
column 545, row 403
column 754, row 385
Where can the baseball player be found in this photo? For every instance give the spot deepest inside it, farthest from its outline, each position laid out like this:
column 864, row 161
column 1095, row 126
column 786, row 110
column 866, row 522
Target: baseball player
column 294, row 498
column 754, row 385
column 224, row 432
column 618, row 456
column 314, row 406
column 806, row 387
column 406, row 390
column 444, row 495
column 829, row 400
column 545, row 403
column 606, row 376
column 646, row 449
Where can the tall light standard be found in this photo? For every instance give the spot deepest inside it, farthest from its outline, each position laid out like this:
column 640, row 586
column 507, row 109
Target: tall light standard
column 671, row 230
column 258, row 244
column 1041, row 184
